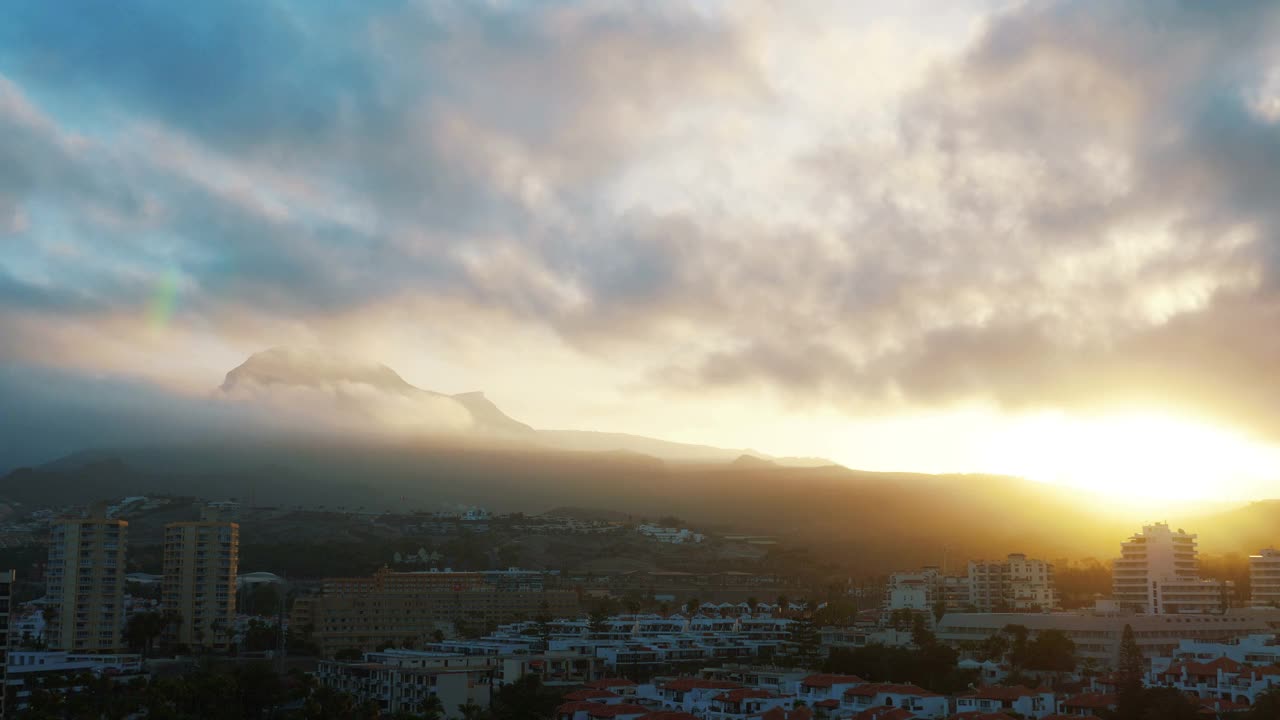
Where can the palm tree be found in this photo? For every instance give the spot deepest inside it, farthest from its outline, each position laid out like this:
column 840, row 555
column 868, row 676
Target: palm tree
column 470, row 711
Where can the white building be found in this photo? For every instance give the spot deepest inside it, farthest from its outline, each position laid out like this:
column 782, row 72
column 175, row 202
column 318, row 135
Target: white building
column 916, row 700
column 916, row 591
column 1028, row 583
column 1222, row 679
column 1028, row 703
column 674, row 536
column 1097, row 636
column 1158, row 573
column 1251, row 650
column 1018, row 583
column 1264, row 578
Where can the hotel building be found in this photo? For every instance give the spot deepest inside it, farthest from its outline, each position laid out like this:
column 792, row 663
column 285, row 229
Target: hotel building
column 84, row 582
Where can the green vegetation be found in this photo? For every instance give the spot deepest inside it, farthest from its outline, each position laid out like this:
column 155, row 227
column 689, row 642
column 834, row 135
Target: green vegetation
column 932, row 667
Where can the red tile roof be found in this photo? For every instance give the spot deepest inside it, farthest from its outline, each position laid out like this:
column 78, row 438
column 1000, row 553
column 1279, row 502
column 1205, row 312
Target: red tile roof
column 570, row 708
column 826, row 680
column 598, row 710
column 1091, row 700
column 828, row 703
column 1209, row 669
column 668, row 715
column 590, row 694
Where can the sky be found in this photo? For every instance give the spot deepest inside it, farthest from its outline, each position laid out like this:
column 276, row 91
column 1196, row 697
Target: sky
column 1040, row 238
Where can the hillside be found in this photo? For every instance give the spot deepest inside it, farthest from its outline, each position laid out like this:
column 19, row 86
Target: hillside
column 862, row 520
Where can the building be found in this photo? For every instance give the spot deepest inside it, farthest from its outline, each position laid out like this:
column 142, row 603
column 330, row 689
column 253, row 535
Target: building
column 915, row 591
column 401, row 680
column 911, row 699
column 1264, row 578
column 1158, row 573
column 391, row 608
column 7, row 578
column 1097, row 636
column 31, row 669
column 1028, row 584
column 1251, row 650
column 84, row 582
column 1027, row 702
column 986, row 585
column 1222, row 679
column 1018, row 583
column 201, row 560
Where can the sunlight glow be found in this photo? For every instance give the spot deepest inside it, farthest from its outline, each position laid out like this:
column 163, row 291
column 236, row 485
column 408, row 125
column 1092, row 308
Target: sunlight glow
column 1134, row 457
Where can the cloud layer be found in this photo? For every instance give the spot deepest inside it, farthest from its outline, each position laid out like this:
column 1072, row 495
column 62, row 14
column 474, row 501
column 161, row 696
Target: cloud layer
column 1056, row 205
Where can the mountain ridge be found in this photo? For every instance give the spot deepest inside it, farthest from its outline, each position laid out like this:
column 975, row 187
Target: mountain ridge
column 375, row 391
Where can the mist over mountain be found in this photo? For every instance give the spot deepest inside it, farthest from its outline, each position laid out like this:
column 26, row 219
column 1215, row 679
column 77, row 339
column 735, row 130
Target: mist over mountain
column 300, row 427
column 366, row 397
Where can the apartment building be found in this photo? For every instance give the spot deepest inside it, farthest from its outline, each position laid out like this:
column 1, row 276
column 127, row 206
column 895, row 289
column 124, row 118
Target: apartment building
column 201, row 560
column 1017, row 583
column 1264, row 578
column 7, row 579
column 395, row 607
column 1158, row 573
column 1028, row 583
column 85, row 584
column 986, row 585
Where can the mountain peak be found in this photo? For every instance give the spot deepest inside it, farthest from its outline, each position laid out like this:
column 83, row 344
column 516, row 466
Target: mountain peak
column 311, row 367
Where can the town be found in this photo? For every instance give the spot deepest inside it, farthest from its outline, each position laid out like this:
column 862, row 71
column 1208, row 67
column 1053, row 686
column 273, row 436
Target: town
column 986, row 639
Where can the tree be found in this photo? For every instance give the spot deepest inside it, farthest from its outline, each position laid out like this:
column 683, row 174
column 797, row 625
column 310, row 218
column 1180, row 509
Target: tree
column 921, row 635
column 994, row 647
column 1131, row 666
column 348, row 655
column 1265, row 707
column 807, row 640
column 900, row 619
column 142, row 629
column 1017, row 635
column 1163, row 703
column 525, row 699
column 939, row 610
column 1051, row 651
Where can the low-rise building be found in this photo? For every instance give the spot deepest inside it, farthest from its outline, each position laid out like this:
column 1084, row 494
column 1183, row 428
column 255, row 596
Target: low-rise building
column 1027, row 702
column 404, row 680
column 30, row 669
column 1097, row 636
column 911, row 698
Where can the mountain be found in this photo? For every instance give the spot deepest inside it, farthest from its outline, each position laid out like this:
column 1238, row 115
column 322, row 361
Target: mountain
column 372, row 394
column 367, row 397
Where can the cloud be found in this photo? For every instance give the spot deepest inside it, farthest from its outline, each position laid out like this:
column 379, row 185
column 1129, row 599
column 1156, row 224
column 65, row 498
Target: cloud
column 1068, row 205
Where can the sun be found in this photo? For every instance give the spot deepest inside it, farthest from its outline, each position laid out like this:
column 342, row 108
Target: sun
column 1136, row 456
